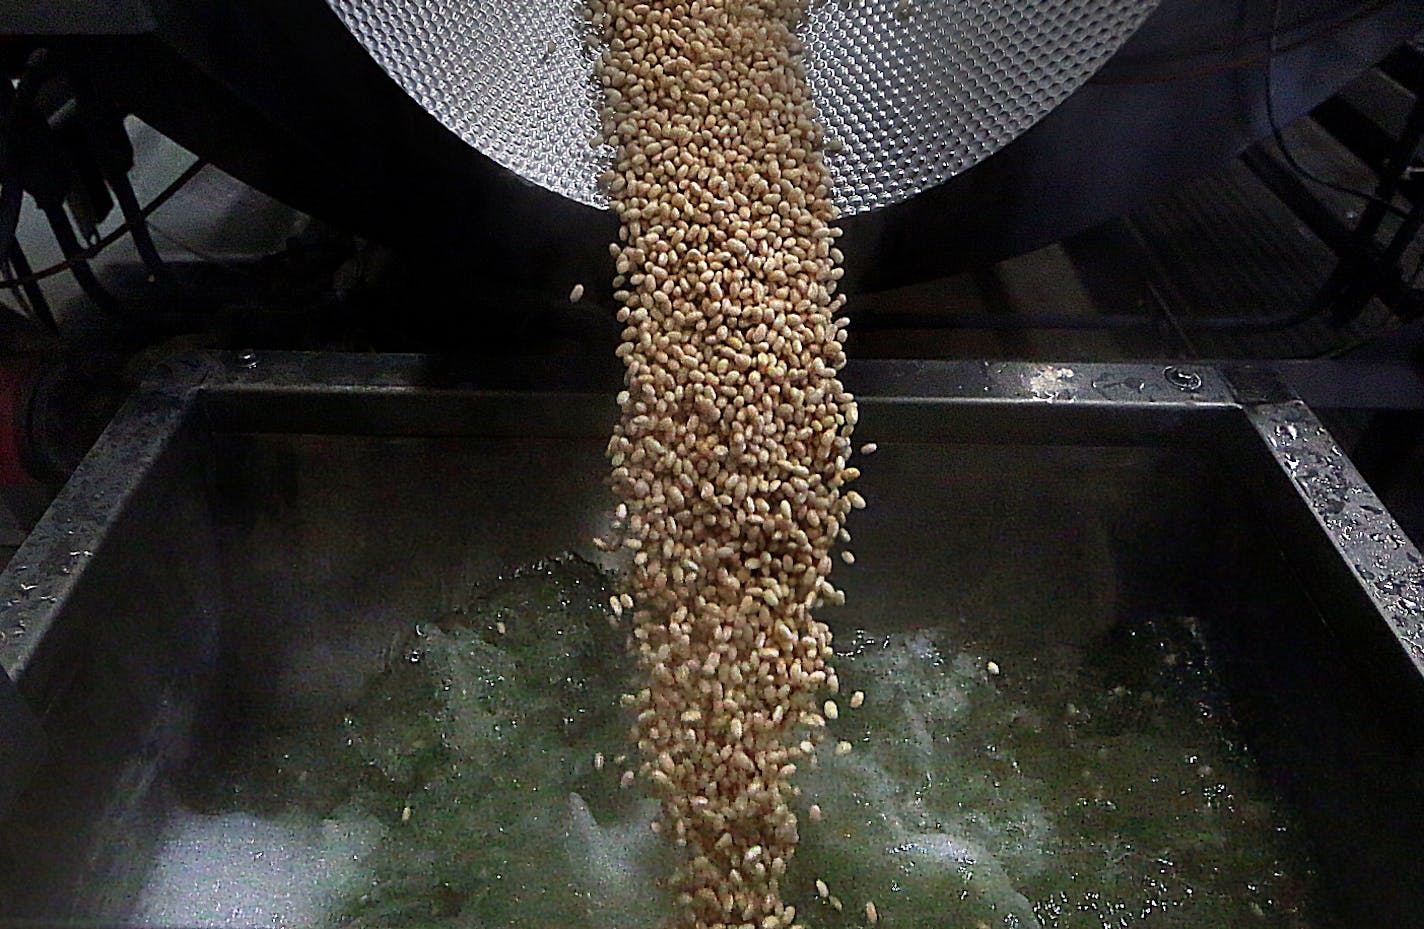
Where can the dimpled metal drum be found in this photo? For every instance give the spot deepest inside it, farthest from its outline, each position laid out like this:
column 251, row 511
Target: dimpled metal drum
column 911, row 92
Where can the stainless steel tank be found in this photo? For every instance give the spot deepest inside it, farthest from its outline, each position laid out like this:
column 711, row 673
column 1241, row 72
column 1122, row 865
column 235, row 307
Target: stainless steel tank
column 249, row 534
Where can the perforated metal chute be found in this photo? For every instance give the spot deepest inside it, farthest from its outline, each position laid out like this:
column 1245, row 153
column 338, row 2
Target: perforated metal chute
column 914, row 91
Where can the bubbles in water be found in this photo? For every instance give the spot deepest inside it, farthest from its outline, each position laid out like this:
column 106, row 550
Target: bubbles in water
column 1061, row 793
column 242, row 870
column 1068, row 797
column 477, row 759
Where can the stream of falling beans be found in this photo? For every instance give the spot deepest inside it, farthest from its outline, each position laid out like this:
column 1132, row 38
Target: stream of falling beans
column 730, row 456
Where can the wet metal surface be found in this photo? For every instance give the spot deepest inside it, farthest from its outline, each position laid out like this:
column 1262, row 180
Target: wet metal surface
column 329, row 393
column 265, row 520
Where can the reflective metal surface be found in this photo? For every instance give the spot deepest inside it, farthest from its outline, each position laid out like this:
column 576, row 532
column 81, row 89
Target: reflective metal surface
column 913, row 91
column 251, row 531
column 281, row 94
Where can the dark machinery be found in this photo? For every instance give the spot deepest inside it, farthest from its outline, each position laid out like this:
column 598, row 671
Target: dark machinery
column 284, row 96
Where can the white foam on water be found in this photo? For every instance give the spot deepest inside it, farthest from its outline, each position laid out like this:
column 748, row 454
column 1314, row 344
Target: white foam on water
column 618, row 866
column 983, row 875
column 238, row 870
column 959, row 830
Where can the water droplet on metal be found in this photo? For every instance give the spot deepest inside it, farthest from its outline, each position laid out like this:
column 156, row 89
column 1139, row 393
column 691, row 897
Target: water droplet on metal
column 1106, row 382
column 1182, row 378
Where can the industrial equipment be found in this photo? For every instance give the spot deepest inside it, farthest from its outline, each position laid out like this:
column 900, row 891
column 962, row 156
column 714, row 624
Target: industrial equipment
column 487, row 156
column 257, row 532
column 249, row 534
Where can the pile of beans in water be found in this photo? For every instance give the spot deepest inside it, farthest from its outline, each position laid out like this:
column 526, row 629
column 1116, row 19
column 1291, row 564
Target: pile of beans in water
column 730, row 456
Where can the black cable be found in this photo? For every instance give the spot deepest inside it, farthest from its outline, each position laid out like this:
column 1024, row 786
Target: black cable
column 19, row 267
column 1280, row 138
column 93, row 250
column 19, row 311
column 23, row 307
column 205, row 256
column 104, row 130
column 65, row 236
column 11, row 200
